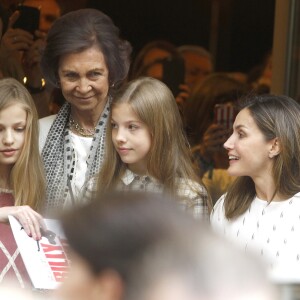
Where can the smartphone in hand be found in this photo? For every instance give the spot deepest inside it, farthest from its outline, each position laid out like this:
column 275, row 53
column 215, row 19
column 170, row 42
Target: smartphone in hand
column 224, row 114
column 29, row 18
column 173, row 73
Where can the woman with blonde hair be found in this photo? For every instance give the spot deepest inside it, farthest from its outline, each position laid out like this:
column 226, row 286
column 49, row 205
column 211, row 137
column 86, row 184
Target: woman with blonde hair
column 146, row 148
column 261, row 209
column 22, row 187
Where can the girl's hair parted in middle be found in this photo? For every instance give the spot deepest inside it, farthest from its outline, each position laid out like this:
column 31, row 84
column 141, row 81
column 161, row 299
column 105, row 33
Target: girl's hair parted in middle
column 169, row 156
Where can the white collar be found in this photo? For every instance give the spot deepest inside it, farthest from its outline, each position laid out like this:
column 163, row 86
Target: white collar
column 129, row 176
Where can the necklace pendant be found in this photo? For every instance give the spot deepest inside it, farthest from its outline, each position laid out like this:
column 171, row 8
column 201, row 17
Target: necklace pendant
column 75, row 127
column 90, row 131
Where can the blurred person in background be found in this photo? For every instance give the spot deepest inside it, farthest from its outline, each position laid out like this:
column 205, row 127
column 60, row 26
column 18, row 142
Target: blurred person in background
column 49, row 12
column 198, row 64
column 152, row 51
column 20, row 51
column 260, row 76
column 199, row 114
column 150, row 62
column 206, row 135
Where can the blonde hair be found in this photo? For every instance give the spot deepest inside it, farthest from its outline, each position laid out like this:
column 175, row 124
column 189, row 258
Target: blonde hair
column 169, row 155
column 27, row 175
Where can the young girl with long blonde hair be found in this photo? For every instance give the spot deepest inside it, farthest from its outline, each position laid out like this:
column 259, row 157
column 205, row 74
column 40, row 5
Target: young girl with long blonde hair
column 21, row 175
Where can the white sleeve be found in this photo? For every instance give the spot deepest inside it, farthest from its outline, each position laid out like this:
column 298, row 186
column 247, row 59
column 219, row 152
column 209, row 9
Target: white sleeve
column 44, row 127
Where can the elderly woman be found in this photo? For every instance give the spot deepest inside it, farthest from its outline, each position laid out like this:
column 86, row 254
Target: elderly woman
column 86, row 58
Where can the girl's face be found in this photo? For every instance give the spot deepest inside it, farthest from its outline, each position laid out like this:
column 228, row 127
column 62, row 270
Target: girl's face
column 248, row 149
column 131, row 138
column 12, row 133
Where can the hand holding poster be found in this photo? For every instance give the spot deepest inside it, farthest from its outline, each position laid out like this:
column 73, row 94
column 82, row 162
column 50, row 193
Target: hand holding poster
column 45, row 260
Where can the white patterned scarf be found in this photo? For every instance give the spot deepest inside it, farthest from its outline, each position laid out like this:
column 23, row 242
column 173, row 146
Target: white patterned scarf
column 59, row 160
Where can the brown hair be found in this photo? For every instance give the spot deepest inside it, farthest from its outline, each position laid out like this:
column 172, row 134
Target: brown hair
column 169, row 156
column 276, row 117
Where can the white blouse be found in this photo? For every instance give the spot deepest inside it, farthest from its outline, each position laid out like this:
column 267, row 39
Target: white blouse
column 81, row 146
column 271, row 230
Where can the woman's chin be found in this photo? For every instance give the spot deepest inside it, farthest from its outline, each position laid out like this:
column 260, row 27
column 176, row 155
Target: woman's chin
column 232, row 172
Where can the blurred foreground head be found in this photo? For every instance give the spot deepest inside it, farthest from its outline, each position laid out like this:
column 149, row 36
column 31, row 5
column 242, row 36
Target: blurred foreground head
column 138, row 246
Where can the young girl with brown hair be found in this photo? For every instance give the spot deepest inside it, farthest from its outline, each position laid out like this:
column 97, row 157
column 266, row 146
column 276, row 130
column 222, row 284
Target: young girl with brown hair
column 146, row 148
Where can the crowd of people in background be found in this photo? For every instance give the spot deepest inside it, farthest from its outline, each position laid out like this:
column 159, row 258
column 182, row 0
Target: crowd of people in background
column 154, row 164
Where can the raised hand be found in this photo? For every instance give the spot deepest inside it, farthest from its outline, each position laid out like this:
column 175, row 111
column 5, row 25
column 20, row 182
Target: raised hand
column 16, row 40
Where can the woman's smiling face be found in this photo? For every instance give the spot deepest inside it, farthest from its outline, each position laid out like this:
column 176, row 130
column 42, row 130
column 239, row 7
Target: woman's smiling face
column 84, row 79
column 248, row 149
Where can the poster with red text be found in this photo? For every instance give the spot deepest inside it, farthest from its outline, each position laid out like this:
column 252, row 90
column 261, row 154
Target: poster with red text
column 46, row 260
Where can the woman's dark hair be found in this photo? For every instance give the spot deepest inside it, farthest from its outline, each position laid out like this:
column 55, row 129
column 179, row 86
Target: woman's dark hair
column 79, row 30
column 276, row 117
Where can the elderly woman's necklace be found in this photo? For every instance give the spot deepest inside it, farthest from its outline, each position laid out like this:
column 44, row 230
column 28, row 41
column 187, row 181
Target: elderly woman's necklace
column 75, row 127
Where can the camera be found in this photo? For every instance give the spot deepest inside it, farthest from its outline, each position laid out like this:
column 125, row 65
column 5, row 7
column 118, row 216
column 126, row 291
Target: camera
column 224, row 114
column 173, row 73
column 29, row 18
